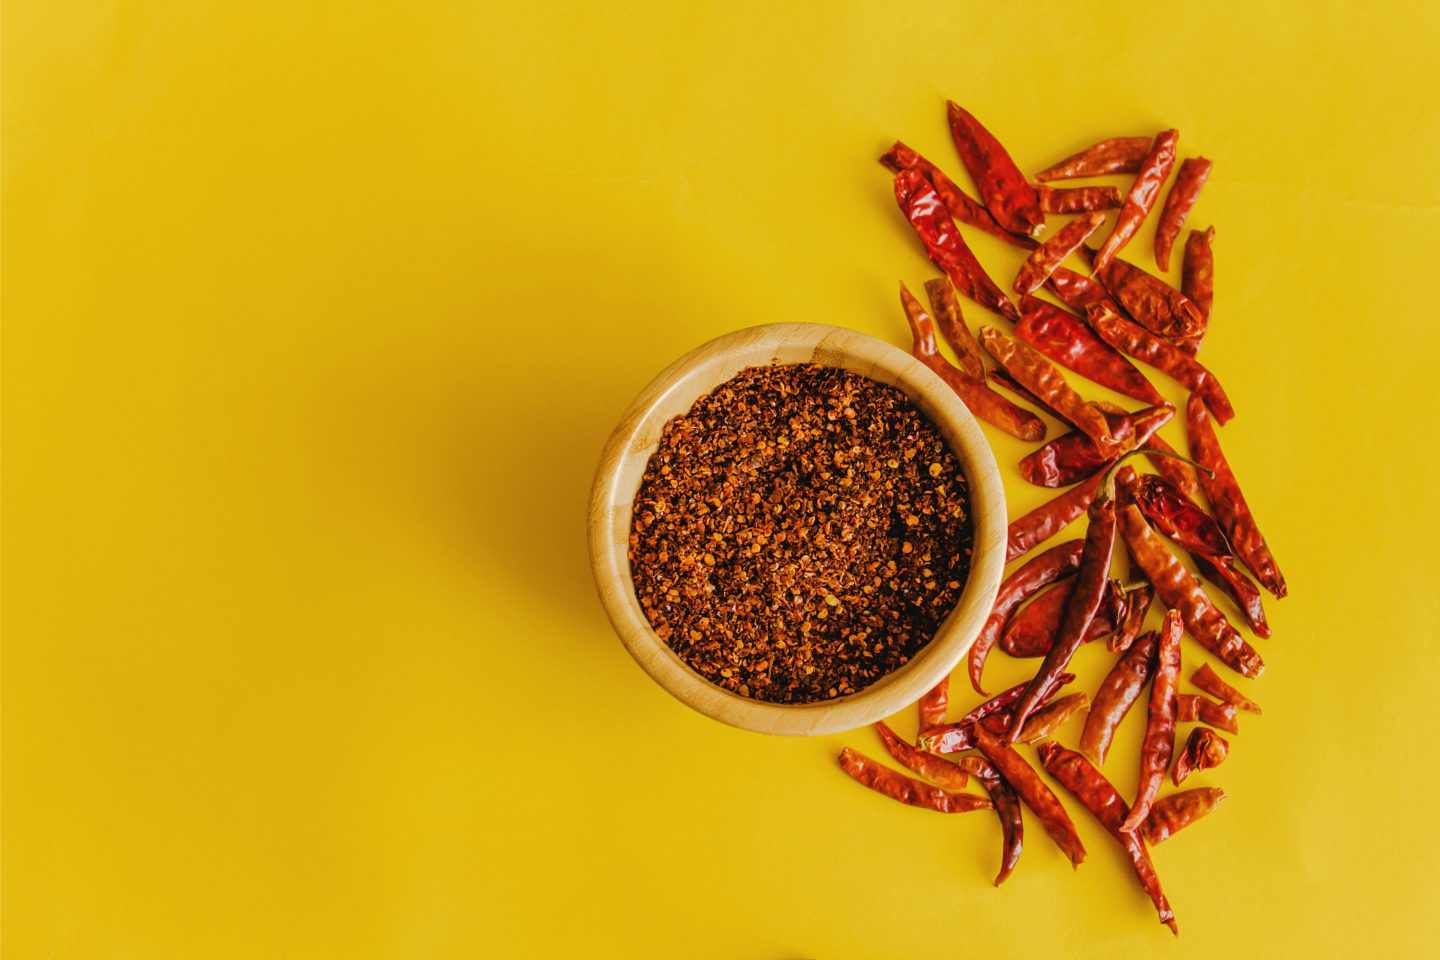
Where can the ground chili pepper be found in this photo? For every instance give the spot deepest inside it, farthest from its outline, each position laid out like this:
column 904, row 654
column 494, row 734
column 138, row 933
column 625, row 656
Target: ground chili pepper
column 1117, row 694
column 1116, row 155
column 961, row 205
column 1092, row 789
column 1225, row 497
column 1204, row 749
column 1178, row 202
column 1153, row 171
column 1171, row 814
column 897, row 786
column 800, row 533
column 1159, row 745
column 1003, row 188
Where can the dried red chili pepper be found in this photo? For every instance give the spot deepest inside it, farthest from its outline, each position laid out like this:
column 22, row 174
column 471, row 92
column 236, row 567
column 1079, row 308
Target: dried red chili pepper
column 1007, row 808
column 1137, row 604
column 1159, row 743
column 960, row 735
column 1045, row 258
column 1153, row 171
column 977, row 397
column 1204, row 749
column 999, row 376
column 1072, row 457
column 1069, row 341
column 1116, row 155
column 1177, row 471
column 941, row 293
column 935, row 769
column 1134, row 340
column 1076, row 199
column 1092, row 789
column 1030, row 368
column 1038, row 797
column 1150, row 301
column 1048, row 519
column 1003, row 189
column 1172, row 814
column 935, row 227
column 1178, row 202
column 1031, row 632
column 934, row 705
column 1182, row 520
column 1178, row 590
column 1208, row 680
column 1051, row 717
column 897, row 786
column 1077, row 291
column 1193, row 708
column 1118, row 692
column 961, row 205
column 1229, row 503
column 1059, row 561
column 1197, row 281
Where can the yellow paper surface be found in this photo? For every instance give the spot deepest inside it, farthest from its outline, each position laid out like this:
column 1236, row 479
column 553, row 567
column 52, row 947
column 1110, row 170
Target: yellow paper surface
column 316, row 317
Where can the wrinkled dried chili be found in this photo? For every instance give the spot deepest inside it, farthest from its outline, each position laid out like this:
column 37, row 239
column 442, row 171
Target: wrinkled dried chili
column 932, row 222
column 1172, row 814
column 1183, row 192
column 1049, row 518
column 1137, row 604
column 951, row 321
column 1030, row 369
column 1076, row 199
column 1159, row 744
column 1197, row 281
column 1150, row 301
column 1069, row 341
column 1177, row 471
column 1116, row 155
column 1208, row 680
column 1118, row 692
column 1134, row 340
column 977, row 396
column 1077, row 291
column 1038, row 797
column 961, row 205
column 1193, row 708
column 1045, row 258
column 897, row 786
column 1059, row 561
column 1178, row 590
column 1003, row 188
column 1153, row 171
column 1052, row 717
column 1007, row 808
column 1225, row 497
column 1098, row 796
column 960, row 735
column 934, row 705
column 1072, row 457
column 1031, row 631
column 938, row 770
column 1204, row 749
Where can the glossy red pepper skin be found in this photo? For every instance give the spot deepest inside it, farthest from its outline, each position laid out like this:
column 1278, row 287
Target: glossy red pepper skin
column 1090, row 583
column 1007, row 808
column 1076, row 199
column 1031, row 632
column 1229, row 504
column 961, row 205
column 1116, row 155
column 1171, row 814
column 951, row 321
column 1183, row 193
column 1178, row 590
column 1072, row 457
column 1153, row 171
column 1069, row 341
column 937, row 231
column 1134, row 340
column 1098, row 796
column 1193, row 708
column 1038, row 375
column 1208, row 680
column 937, row 770
column 1049, row 518
column 960, row 735
column 1159, row 745
column 1045, row 258
column 1059, row 561
column 1003, row 188
column 1117, row 694
column 1204, row 749
column 1197, row 281
column 983, row 402
column 1150, row 301
column 1077, row 291
column 897, row 786
column 1038, row 797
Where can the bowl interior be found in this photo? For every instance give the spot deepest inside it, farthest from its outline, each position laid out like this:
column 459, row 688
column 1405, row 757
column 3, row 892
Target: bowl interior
column 673, row 392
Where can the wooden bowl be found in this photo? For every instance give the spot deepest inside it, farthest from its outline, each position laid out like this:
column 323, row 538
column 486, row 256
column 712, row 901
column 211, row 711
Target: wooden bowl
column 672, row 393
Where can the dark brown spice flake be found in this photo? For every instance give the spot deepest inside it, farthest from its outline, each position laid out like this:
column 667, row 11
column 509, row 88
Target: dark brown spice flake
column 800, row 533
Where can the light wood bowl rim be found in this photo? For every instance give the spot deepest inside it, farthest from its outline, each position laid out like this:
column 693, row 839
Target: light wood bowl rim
column 673, row 392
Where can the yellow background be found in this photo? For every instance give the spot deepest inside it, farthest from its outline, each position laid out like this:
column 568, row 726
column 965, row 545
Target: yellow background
column 316, row 317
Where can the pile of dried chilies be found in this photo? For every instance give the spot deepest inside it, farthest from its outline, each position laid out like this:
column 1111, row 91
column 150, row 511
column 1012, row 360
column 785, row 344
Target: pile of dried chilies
column 1067, row 595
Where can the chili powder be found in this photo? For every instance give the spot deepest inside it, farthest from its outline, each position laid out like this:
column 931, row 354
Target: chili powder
column 800, row 533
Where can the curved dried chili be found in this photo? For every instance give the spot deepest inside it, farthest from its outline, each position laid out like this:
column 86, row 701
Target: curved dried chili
column 1007, row 808
column 935, row 769
column 932, row 222
column 1003, row 188
column 1153, row 171
column 1204, row 749
column 1137, row 604
column 1072, row 457
column 1208, row 680
column 1058, row 561
column 1045, row 258
column 1150, row 301
column 960, row 735
column 1031, row 370
column 1069, row 341
column 1049, row 518
column 1197, row 281
column 1159, row 745
column 961, row 205
column 1038, row 797
column 934, row 705
column 1134, row 340
column 897, row 786
column 1171, row 814
column 1183, row 193
column 1031, row 631
column 1118, row 692
column 1116, row 155
column 1076, row 199
column 951, row 321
